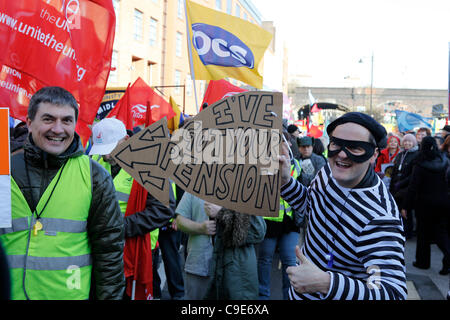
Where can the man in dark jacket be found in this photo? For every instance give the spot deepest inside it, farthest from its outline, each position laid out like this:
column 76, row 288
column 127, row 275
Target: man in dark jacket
column 62, row 224
column 310, row 162
column 107, row 134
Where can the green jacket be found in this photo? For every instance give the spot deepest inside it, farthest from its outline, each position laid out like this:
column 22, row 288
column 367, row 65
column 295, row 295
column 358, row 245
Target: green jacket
column 105, row 226
column 234, row 273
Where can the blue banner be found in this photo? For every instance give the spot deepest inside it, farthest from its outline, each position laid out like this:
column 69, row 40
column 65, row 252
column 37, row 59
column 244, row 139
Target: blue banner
column 408, row 121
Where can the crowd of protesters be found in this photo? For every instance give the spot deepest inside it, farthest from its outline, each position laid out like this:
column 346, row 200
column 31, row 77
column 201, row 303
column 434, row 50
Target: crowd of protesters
column 357, row 201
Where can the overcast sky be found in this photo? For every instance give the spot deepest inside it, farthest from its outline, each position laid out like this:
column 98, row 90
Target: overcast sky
column 326, row 39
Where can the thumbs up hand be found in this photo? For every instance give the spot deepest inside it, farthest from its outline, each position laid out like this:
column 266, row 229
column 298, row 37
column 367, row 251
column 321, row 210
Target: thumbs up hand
column 307, row 277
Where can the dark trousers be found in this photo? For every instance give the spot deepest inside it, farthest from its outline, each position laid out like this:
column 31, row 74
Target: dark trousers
column 408, row 224
column 156, row 260
column 432, row 226
column 169, row 243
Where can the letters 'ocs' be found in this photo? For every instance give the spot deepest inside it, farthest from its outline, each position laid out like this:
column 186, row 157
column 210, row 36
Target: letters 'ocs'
column 227, row 154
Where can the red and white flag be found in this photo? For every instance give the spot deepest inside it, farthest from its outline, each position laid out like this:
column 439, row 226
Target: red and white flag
column 219, row 89
column 131, row 109
column 56, row 43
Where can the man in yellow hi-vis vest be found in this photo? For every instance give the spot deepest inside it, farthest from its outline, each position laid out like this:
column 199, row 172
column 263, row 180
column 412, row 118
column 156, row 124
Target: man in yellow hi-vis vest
column 66, row 239
column 106, row 135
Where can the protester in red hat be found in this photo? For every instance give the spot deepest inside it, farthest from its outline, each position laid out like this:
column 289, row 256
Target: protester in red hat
column 388, row 154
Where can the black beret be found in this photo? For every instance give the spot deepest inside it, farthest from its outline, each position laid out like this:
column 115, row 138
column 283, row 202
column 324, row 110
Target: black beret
column 376, row 129
column 292, row 128
column 446, row 128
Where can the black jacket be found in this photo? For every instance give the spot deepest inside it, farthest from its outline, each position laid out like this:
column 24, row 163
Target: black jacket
column 18, row 137
column 105, row 223
column 154, row 216
column 401, row 173
column 428, row 184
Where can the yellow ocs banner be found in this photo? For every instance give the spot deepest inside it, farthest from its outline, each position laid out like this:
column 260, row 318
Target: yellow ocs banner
column 224, row 46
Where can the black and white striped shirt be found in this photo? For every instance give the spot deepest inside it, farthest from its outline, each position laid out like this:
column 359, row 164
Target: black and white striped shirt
column 362, row 229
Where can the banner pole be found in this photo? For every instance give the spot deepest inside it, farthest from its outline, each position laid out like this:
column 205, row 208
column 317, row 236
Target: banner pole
column 188, row 36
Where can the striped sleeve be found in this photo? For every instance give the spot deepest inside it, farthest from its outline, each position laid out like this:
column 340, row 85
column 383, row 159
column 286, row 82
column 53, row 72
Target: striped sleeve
column 296, row 195
column 381, row 249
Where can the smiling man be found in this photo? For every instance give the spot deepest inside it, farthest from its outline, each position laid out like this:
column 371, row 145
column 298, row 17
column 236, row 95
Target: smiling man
column 67, row 237
column 354, row 244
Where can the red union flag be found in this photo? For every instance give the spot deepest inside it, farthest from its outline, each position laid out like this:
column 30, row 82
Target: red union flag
column 131, row 109
column 66, row 43
column 219, row 89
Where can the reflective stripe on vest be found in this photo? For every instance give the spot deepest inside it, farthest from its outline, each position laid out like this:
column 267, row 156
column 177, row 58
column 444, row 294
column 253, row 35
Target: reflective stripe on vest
column 174, row 189
column 56, row 263
column 123, row 183
column 284, row 206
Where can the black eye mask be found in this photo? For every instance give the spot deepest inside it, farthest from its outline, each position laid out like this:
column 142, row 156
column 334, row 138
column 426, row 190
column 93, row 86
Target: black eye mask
column 368, row 147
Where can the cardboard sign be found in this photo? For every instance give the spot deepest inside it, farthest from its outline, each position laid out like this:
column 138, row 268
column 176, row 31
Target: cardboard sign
column 5, row 171
column 227, row 154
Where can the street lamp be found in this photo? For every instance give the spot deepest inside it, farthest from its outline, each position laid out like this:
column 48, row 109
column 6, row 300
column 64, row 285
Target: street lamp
column 371, row 80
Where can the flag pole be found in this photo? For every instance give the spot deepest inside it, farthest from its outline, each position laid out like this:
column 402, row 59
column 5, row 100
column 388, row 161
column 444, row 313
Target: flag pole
column 133, row 290
column 188, row 36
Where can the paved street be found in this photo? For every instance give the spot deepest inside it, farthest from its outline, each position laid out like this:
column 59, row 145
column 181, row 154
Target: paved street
column 422, row 284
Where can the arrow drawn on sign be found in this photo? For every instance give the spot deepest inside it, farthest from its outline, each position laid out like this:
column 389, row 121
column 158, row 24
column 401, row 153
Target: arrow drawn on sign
column 130, row 156
column 152, row 134
column 154, row 180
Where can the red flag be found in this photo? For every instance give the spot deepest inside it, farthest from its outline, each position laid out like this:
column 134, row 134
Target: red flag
column 315, row 108
column 219, row 89
column 132, row 107
column 159, row 108
column 121, row 110
column 148, row 115
column 56, row 43
column 137, row 254
column 315, row 131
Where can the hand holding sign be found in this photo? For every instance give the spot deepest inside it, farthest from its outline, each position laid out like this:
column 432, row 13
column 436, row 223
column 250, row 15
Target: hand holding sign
column 285, row 165
column 227, row 155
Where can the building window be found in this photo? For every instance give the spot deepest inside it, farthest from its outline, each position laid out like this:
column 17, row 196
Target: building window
column 229, row 6
column 153, row 32
column 238, row 11
column 245, row 16
column 114, row 67
column 219, row 5
column 138, row 26
column 178, row 44
column 180, row 7
column 177, row 81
